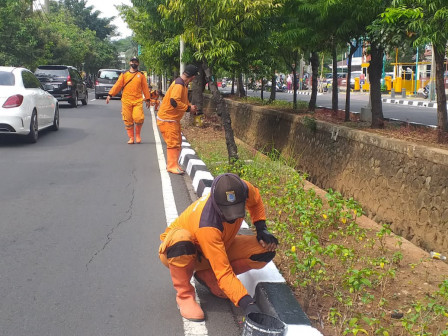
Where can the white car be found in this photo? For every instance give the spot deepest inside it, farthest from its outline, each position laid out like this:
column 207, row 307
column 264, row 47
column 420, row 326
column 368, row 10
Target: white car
column 25, row 107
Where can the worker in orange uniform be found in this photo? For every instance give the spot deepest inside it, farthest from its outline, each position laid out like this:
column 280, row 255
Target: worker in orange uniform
column 133, row 83
column 174, row 105
column 203, row 240
column 155, row 102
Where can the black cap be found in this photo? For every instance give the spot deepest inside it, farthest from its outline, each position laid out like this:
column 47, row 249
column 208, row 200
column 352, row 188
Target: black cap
column 135, row 58
column 191, row 70
column 230, row 193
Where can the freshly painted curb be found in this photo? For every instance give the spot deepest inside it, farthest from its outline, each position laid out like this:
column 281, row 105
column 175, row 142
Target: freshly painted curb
column 420, row 103
column 266, row 285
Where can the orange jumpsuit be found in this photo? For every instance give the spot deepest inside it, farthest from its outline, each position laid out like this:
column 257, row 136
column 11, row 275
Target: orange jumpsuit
column 132, row 99
column 200, row 234
column 174, row 105
column 155, row 99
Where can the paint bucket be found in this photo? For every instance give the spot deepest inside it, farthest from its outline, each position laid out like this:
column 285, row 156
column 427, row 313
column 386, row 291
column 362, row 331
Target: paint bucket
column 259, row 324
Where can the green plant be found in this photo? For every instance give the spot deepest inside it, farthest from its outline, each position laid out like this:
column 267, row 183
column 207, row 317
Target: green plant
column 310, row 123
column 324, row 252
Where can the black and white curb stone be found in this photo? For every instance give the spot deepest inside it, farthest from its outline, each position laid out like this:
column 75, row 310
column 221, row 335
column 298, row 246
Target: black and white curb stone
column 420, row 103
column 307, row 93
column 266, row 285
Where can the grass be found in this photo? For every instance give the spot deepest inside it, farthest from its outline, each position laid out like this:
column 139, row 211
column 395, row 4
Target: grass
column 282, row 104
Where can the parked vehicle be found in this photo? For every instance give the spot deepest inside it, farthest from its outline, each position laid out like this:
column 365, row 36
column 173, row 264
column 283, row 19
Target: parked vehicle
column 25, row 107
column 342, row 80
column 67, row 84
column 353, row 75
column 254, row 85
column 426, row 91
column 105, row 79
column 279, row 87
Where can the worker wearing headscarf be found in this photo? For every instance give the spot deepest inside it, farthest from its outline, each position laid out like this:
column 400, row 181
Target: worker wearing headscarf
column 203, row 240
column 173, row 107
column 134, row 86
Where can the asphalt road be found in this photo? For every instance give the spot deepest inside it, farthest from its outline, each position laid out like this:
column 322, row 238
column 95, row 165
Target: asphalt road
column 421, row 115
column 81, row 214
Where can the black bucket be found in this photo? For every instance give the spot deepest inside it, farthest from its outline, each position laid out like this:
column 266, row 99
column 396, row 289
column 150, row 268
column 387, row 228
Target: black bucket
column 259, row 324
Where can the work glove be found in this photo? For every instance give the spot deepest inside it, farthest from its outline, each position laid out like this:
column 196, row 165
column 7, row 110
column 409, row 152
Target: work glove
column 248, row 305
column 263, row 233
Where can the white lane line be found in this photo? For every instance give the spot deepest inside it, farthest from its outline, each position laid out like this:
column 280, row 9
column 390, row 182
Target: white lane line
column 190, row 328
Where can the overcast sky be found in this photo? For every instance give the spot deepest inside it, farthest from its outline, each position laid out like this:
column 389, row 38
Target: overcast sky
column 107, row 8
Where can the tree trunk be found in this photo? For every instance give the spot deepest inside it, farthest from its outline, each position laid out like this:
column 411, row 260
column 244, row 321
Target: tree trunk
column 294, row 76
column 273, row 84
column 262, row 88
column 353, row 48
column 334, row 86
column 442, row 125
column 198, row 86
column 222, row 111
column 347, row 93
column 232, row 91
column 240, row 86
column 375, row 72
column 315, row 75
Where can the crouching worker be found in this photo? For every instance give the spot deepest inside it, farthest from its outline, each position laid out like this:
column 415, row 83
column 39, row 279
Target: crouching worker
column 155, row 102
column 203, row 240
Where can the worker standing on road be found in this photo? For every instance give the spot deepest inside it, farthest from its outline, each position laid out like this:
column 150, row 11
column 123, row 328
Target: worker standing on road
column 174, row 105
column 133, row 83
column 204, row 240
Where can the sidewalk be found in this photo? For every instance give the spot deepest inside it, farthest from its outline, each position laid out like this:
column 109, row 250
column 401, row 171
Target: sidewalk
column 266, row 285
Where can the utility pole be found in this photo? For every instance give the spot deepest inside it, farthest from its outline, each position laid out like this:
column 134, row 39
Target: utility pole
column 182, row 48
column 432, row 91
column 416, row 73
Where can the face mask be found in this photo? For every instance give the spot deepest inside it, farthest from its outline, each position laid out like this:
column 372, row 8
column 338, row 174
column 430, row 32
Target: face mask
column 134, row 66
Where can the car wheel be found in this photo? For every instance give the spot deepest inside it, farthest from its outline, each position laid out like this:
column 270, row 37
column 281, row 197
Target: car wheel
column 34, row 132
column 86, row 97
column 74, row 101
column 55, row 125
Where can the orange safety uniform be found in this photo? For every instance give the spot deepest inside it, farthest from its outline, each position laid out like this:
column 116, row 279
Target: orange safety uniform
column 200, row 234
column 155, row 99
column 173, row 107
column 134, row 84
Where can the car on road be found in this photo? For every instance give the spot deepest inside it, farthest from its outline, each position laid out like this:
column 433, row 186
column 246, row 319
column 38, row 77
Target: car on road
column 353, row 75
column 341, row 78
column 25, row 107
column 105, row 79
column 66, row 83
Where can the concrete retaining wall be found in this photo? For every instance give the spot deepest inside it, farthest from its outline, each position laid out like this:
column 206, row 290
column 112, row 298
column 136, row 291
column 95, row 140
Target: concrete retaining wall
column 396, row 182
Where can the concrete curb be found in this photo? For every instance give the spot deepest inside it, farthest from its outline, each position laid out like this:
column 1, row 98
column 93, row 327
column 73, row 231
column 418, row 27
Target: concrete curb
column 307, row 93
column 419, row 103
column 267, row 285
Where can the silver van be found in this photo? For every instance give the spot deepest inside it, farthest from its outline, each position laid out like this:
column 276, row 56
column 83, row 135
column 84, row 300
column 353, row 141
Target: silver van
column 105, row 79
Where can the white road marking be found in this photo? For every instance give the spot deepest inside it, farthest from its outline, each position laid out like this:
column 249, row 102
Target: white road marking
column 190, row 328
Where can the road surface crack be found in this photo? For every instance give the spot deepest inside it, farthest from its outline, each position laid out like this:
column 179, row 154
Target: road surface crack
column 128, row 214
